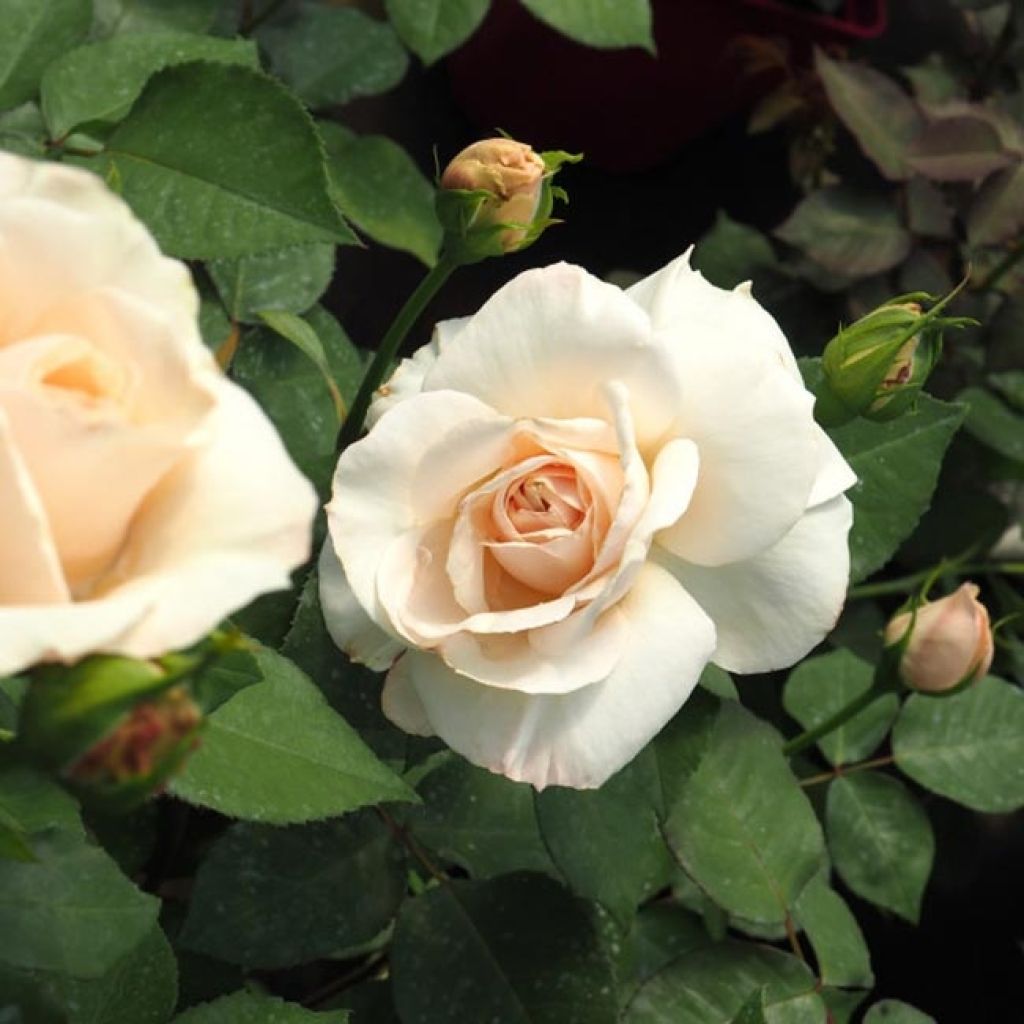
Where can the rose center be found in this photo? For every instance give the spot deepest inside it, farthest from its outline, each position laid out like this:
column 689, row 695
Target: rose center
column 545, row 500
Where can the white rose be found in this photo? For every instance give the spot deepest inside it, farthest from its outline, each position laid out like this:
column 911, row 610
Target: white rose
column 569, row 504
column 143, row 496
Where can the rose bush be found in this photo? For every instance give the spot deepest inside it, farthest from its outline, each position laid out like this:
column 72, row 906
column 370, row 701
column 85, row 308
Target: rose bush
column 572, row 501
column 144, row 496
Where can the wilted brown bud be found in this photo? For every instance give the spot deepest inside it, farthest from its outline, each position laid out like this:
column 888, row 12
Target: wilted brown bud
column 512, row 172
column 950, row 643
column 153, row 730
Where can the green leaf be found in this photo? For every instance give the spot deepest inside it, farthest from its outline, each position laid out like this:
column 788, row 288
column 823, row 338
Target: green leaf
column 710, row 986
column 662, row 932
column 294, row 329
column 288, row 280
column 742, row 828
column 291, row 391
column 993, row 423
column 753, row 1010
column 897, row 465
column 101, row 81
column 220, row 161
column 882, row 118
column 892, row 1011
column 332, row 55
column 14, row 844
column 275, row 897
column 597, row 22
column 996, row 213
column 71, row 910
column 881, row 841
column 277, row 753
column 378, row 186
column 731, row 252
column 847, row 232
column 22, row 131
column 955, row 149
column 433, row 28
column 34, row 33
column 32, row 802
column 968, row 747
column 606, row 842
column 839, row 946
column 821, row 686
column 479, row 820
column 116, row 17
column 141, row 988
column 247, row 1007
column 516, row 949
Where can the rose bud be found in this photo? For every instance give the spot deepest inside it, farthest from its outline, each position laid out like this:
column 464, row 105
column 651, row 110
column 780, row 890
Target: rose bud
column 496, row 197
column 876, row 367
column 950, row 642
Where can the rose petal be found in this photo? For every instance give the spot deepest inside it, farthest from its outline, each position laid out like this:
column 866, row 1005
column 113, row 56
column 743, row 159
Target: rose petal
column 401, row 703
column 346, row 620
column 772, row 609
column 411, row 469
column 226, row 525
column 30, row 571
column 834, row 473
column 545, row 344
column 582, row 738
column 759, row 457
column 694, row 314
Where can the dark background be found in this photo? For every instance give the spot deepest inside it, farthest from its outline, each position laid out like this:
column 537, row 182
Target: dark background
column 964, row 964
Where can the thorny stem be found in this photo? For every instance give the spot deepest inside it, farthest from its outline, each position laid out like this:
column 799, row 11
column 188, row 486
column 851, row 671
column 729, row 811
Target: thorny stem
column 840, row 770
column 389, row 347
column 905, row 584
column 794, row 939
column 337, row 985
column 402, row 835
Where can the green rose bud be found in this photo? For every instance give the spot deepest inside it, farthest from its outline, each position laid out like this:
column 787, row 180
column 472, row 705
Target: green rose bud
column 876, row 367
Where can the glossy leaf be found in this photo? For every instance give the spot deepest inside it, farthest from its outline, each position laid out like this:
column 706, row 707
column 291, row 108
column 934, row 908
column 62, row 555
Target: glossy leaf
column 821, row 686
column 882, row 118
column 480, row 821
column 247, row 1007
column 278, row 753
column 892, row 1011
column 710, row 986
column 117, row 17
column 606, row 842
column 835, row 936
column 993, row 423
column 897, row 465
column 378, row 186
column 968, row 747
column 881, row 841
column 330, row 55
column 220, row 161
column 731, row 252
column 101, row 81
column 433, row 28
column 598, row 23
column 34, row 33
column 289, row 280
column 71, row 910
column 517, row 949
column 275, row 897
column 742, row 828
column 847, row 232
column 996, row 213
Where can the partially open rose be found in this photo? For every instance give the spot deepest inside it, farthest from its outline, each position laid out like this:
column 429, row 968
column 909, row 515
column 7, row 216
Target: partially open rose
column 572, row 501
column 143, row 497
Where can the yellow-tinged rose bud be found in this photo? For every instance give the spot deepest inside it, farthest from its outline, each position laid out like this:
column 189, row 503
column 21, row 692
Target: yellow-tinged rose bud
column 950, row 642
column 514, row 175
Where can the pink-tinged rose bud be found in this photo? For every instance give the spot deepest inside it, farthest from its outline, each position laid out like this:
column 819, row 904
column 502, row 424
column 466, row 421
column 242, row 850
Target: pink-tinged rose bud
column 950, row 644
column 512, row 172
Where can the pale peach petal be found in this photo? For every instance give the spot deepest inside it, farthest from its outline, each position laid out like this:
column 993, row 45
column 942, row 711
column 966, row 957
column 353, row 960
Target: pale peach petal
column 576, row 739
column 401, row 703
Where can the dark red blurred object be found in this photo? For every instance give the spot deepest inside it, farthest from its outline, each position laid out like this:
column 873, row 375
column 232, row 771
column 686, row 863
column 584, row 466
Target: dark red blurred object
column 626, row 109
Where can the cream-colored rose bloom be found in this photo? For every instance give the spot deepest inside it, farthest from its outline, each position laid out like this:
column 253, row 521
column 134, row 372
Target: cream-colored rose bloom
column 143, row 497
column 571, row 502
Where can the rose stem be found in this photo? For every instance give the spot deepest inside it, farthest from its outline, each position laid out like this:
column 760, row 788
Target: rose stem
column 905, row 584
column 841, row 717
column 392, row 341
